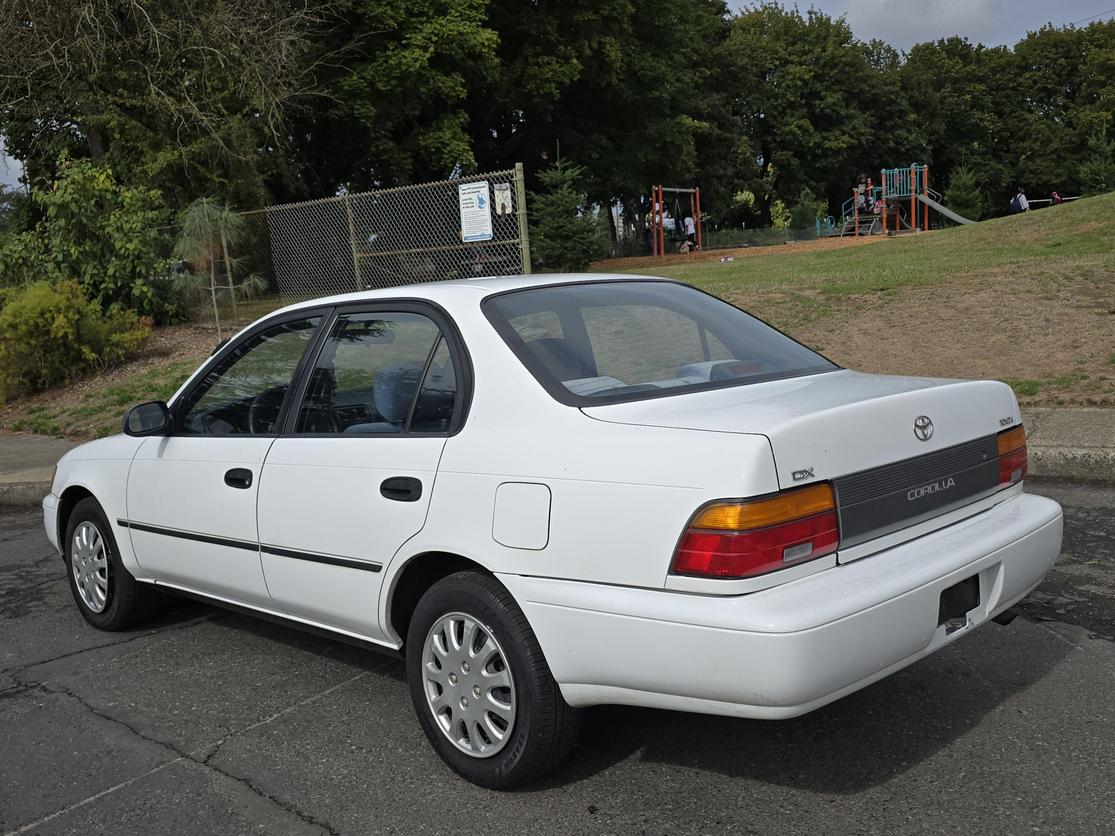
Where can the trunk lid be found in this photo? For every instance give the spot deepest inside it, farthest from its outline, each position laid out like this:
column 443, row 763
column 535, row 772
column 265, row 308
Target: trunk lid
column 857, row 430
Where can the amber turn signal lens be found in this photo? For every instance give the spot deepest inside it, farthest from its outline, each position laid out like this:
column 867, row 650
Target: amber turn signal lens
column 744, row 516
column 1011, row 440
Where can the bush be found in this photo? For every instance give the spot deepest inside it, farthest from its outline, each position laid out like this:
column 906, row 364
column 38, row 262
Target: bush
column 807, row 210
column 564, row 235
column 965, row 194
column 109, row 237
column 52, row 334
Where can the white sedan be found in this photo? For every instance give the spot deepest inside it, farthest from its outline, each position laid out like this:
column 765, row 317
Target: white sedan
column 555, row 492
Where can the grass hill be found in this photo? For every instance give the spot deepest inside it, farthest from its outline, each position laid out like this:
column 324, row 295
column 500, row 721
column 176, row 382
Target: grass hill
column 1029, row 299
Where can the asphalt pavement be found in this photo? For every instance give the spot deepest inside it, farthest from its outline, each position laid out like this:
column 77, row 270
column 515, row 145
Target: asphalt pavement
column 211, row 722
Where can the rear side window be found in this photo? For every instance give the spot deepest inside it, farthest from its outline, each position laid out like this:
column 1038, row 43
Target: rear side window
column 380, row 374
column 606, row 342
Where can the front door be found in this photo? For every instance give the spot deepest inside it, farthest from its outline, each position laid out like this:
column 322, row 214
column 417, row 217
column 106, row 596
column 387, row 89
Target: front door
column 351, row 480
column 191, row 498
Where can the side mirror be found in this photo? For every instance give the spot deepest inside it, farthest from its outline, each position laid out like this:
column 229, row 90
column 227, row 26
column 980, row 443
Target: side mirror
column 151, row 418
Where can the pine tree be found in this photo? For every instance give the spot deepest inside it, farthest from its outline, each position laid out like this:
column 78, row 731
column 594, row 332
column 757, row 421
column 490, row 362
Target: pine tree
column 564, row 235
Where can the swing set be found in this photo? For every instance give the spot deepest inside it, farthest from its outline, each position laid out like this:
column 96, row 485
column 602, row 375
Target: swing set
column 658, row 211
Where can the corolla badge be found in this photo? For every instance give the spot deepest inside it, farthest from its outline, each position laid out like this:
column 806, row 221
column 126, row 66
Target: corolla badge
column 923, row 427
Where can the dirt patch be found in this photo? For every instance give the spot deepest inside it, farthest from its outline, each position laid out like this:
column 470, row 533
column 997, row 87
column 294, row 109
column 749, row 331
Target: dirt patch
column 1053, row 342
column 619, row 265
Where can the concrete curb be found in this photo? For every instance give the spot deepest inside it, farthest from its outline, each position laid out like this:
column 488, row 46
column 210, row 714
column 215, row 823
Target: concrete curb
column 23, row 494
column 1081, row 464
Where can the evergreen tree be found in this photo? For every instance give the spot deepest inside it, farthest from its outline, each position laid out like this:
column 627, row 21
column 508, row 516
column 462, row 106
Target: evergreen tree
column 564, row 234
column 965, row 193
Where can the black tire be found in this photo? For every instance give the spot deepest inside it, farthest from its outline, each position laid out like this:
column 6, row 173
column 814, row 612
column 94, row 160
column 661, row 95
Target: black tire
column 545, row 727
column 127, row 603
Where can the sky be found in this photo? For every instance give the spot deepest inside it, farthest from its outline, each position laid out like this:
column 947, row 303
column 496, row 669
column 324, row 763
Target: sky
column 902, row 23
column 9, row 169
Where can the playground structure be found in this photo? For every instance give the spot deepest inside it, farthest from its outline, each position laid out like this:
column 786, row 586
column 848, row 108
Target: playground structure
column 658, row 224
column 884, row 206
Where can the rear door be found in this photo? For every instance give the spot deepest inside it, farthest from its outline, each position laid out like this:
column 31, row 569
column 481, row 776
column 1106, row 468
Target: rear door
column 191, row 496
column 350, row 481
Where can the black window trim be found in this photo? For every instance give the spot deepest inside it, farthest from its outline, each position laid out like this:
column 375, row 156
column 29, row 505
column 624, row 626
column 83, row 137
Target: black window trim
column 561, row 394
column 229, row 347
column 458, row 354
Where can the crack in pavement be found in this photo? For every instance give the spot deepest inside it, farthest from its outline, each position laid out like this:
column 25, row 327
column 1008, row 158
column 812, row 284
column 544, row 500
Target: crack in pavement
column 195, row 757
column 16, row 670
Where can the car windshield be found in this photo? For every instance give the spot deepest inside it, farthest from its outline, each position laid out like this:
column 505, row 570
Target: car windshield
column 611, row 341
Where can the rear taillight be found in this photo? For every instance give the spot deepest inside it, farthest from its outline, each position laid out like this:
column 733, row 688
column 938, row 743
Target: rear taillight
column 1012, row 456
column 744, row 539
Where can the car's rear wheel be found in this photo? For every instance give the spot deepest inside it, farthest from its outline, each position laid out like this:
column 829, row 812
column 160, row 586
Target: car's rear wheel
column 481, row 687
column 106, row 593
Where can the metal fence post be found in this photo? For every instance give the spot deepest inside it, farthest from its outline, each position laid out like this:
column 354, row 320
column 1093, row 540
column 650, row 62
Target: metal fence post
column 352, row 243
column 521, row 206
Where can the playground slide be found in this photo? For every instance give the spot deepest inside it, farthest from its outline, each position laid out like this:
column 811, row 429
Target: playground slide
column 948, row 213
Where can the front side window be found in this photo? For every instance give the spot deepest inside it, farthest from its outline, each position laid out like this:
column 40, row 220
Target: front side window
column 606, row 342
column 380, row 373
column 243, row 394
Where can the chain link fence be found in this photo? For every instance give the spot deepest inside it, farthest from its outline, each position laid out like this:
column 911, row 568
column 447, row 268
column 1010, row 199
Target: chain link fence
column 453, row 229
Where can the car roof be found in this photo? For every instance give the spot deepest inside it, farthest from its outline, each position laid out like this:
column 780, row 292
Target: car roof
column 458, row 290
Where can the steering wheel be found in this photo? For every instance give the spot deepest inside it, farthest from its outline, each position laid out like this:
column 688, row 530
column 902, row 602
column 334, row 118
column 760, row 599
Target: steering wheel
column 263, row 411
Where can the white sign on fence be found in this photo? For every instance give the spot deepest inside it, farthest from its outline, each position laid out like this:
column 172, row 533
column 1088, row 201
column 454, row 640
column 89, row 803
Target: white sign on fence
column 476, row 211
column 502, row 198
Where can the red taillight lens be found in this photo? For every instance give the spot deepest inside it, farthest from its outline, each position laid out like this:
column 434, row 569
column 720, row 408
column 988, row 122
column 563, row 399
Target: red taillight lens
column 1013, row 460
column 741, row 540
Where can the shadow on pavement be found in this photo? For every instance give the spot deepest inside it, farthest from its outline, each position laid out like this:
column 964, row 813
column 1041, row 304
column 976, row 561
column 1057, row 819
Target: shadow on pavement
column 846, row 747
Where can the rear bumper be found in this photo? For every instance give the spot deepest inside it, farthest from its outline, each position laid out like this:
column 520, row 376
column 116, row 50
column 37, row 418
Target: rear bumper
column 795, row 647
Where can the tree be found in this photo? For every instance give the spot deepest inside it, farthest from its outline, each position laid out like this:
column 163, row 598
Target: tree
column 807, row 210
column 109, row 237
column 187, row 97
column 801, row 88
column 394, row 105
column 1097, row 171
column 564, row 232
column 964, row 194
column 207, row 233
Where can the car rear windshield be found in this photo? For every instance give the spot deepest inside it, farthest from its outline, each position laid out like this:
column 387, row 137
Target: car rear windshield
column 605, row 342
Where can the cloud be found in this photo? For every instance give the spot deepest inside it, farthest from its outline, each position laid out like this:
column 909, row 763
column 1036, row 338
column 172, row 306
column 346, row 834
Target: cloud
column 906, row 22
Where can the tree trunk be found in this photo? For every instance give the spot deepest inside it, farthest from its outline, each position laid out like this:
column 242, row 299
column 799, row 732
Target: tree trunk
column 231, row 281
column 763, row 195
column 213, row 293
column 95, row 138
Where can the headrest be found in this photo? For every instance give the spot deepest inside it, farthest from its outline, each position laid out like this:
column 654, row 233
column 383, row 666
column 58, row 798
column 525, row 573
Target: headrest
column 560, row 358
column 393, row 390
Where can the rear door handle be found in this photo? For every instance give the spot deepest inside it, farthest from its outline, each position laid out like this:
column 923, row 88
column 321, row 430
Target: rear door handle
column 401, row 489
column 239, row 477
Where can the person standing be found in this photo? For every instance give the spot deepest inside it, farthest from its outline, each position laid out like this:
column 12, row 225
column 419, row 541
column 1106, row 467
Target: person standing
column 1019, row 203
column 690, row 230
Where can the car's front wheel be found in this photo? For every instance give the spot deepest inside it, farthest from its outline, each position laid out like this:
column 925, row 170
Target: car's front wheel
column 481, row 687
column 106, row 593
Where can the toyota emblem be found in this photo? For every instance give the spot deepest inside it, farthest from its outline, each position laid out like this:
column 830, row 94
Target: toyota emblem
column 923, row 427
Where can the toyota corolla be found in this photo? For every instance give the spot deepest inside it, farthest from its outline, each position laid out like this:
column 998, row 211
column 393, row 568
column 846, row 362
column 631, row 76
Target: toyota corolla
column 548, row 493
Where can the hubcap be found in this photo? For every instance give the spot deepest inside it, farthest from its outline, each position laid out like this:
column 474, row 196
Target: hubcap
column 468, row 685
column 89, row 561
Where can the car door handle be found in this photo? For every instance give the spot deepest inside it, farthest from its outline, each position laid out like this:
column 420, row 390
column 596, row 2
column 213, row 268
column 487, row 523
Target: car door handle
column 401, row 489
column 239, row 477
